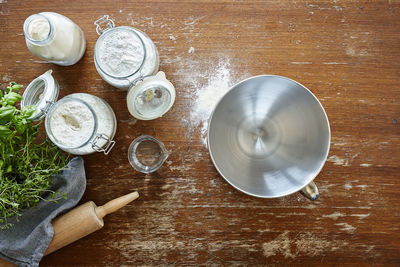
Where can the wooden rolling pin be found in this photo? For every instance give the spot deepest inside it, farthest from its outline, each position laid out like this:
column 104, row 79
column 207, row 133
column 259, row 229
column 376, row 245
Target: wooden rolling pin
column 80, row 222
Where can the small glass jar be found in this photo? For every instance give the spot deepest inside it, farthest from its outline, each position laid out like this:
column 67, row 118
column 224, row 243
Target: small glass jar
column 123, row 55
column 147, row 154
column 79, row 123
column 54, row 38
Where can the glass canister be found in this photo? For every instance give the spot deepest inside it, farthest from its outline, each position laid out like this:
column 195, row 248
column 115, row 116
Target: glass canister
column 79, row 123
column 123, row 55
column 54, row 38
column 147, row 154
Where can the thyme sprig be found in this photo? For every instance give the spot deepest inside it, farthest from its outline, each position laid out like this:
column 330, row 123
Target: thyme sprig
column 27, row 164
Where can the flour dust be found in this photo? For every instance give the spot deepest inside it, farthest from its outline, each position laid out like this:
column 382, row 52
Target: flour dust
column 206, row 95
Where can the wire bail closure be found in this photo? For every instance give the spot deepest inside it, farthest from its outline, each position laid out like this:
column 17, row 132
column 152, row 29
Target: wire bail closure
column 137, row 80
column 104, row 20
column 107, row 148
column 46, row 108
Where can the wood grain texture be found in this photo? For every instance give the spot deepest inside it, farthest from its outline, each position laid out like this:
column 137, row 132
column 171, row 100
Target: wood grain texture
column 346, row 52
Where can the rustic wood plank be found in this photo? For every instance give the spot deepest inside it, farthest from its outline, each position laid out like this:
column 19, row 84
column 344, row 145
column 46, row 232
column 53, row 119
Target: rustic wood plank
column 345, row 52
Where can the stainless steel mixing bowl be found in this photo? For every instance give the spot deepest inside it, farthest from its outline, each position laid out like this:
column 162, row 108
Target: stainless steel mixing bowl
column 269, row 136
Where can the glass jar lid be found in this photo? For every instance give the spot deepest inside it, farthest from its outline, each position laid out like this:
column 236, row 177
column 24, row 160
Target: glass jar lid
column 151, row 98
column 42, row 93
column 119, row 52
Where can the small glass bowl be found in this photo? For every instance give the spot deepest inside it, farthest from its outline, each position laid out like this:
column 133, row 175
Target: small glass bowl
column 147, row 154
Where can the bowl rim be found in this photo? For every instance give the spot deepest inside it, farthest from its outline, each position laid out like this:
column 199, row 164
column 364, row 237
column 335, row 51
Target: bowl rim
column 294, row 190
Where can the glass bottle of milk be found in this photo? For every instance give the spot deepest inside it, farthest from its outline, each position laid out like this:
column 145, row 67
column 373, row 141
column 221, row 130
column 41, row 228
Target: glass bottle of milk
column 54, row 38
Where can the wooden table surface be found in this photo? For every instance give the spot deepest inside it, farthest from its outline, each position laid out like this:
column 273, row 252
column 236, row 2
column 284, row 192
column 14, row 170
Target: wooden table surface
column 346, row 52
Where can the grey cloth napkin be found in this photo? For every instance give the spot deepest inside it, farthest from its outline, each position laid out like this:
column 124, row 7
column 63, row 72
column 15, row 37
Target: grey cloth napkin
column 25, row 243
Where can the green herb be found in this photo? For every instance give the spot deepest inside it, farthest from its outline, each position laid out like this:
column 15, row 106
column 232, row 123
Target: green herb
column 26, row 163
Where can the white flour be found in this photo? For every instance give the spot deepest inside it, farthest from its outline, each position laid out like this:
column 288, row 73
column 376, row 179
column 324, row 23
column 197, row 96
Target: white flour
column 39, row 29
column 121, row 53
column 106, row 122
column 220, row 79
column 72, row 123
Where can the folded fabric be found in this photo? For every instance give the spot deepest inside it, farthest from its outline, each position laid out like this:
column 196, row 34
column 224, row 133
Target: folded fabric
column 25, row 243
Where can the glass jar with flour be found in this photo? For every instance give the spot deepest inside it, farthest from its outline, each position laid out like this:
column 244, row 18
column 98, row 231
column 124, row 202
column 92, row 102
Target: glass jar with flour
column 54, row 38
column 79, row 123
column 123, row 55
column 127, row 58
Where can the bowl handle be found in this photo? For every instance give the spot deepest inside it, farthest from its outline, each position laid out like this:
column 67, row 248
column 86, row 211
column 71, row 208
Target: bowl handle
column 310, row 191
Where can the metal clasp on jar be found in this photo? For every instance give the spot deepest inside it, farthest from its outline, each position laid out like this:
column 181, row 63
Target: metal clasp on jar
column 106, row 148
column 104, row 20
column 46, row 108
column 134, row 82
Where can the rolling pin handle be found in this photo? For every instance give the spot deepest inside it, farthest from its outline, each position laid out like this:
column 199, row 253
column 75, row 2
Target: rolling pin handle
column 115, row 204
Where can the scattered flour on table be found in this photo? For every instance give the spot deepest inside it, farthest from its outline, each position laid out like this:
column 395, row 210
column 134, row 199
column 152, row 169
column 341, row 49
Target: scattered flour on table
column 205, row 97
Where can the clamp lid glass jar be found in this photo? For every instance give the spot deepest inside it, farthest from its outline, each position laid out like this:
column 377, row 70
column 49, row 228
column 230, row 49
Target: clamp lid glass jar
column 79, row 123
column 123, row 55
